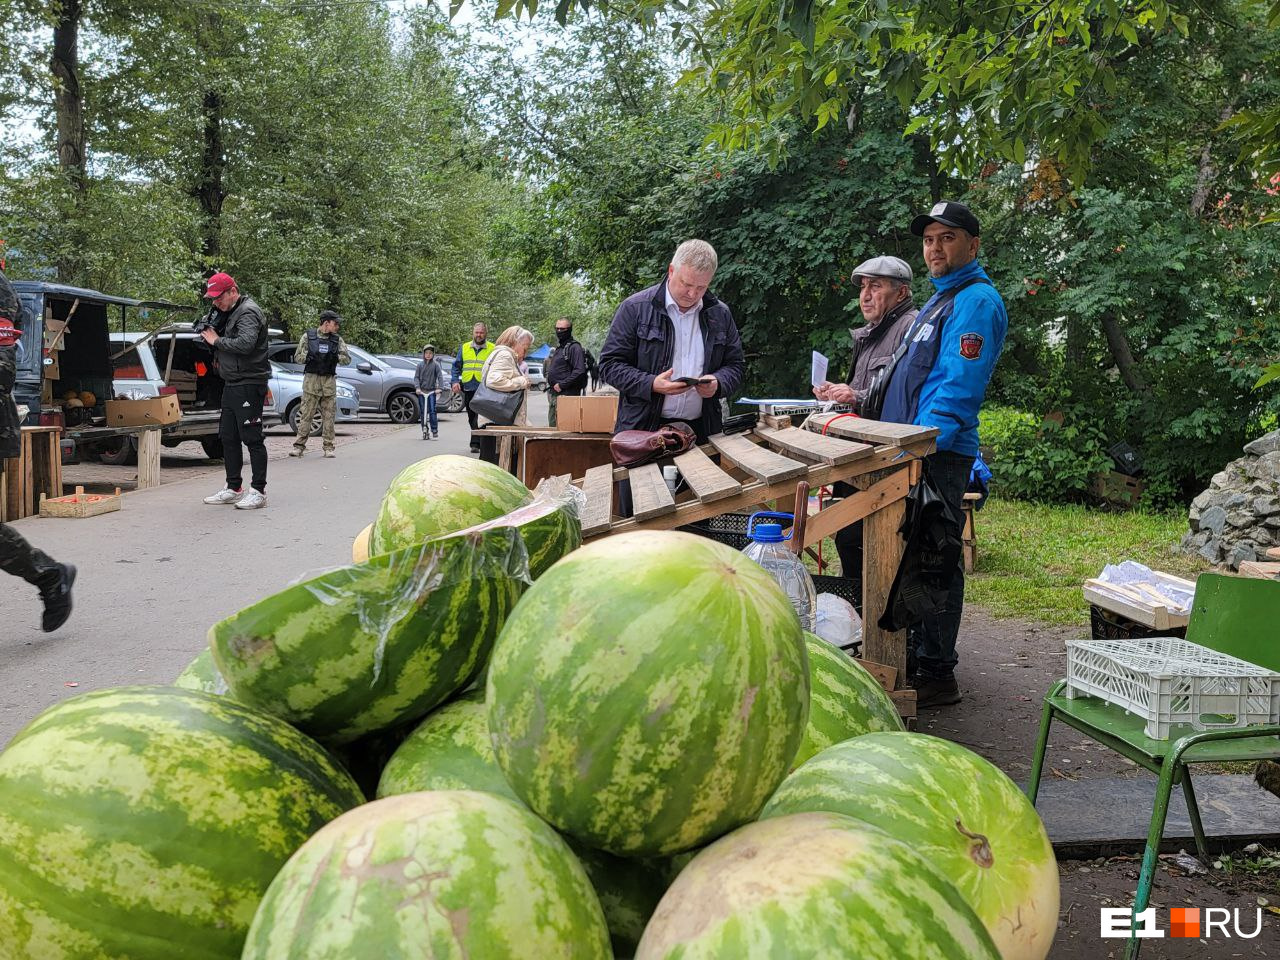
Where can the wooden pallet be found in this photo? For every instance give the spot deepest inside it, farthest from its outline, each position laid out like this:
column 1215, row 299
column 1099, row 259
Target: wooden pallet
column 80, row 504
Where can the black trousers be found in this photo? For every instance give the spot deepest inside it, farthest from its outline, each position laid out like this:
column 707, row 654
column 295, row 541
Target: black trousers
column 242, row 423
column 933, row 640
column 20, row 559
column 472, row 417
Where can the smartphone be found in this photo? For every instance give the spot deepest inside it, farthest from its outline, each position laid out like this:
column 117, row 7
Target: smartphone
column 691, row 381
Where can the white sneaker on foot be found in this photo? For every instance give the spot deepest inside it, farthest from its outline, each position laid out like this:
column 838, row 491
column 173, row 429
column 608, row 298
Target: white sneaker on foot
column 329, row 454
column 252, row 500
column 297, row 451
column 225, row 496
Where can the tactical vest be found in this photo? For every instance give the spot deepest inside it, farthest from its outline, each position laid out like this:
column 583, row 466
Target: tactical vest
column 322, row 354
column 473, row 360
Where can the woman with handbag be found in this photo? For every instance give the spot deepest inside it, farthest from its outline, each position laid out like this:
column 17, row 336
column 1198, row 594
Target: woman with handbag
column 501, row 383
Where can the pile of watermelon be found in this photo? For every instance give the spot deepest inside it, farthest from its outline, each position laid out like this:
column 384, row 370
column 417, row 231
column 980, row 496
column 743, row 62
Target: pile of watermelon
column 485, row 740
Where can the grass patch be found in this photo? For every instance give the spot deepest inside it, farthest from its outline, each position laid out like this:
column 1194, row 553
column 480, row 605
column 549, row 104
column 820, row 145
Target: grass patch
column 1033, row 557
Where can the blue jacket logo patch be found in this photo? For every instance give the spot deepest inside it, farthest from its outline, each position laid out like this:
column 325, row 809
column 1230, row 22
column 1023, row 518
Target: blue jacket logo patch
column 971, row 346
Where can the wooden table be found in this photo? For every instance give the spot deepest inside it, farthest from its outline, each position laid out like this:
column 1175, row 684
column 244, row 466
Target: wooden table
column 879, row 460
column 37, row 469
column 541, row 452
column 148, row 449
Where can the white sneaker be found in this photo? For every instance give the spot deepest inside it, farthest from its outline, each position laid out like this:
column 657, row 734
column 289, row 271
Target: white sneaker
column 225, row 496
column 252, row 500
column 297, row 451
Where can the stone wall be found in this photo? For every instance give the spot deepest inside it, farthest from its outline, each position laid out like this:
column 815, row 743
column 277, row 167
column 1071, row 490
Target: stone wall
column 1238, row 517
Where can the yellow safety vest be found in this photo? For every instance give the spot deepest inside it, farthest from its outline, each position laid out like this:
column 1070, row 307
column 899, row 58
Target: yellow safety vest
column 473, row 360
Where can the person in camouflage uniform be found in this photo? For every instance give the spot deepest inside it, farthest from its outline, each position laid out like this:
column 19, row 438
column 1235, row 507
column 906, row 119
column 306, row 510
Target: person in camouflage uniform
column 322, row 351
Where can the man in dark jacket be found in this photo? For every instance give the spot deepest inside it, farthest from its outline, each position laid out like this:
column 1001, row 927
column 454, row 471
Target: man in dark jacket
column 565, row 369
column 673, row 350
column 237, row 332
column 17, row 557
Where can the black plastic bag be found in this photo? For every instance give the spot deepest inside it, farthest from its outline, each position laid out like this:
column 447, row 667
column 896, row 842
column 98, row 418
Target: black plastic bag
column 932, row 530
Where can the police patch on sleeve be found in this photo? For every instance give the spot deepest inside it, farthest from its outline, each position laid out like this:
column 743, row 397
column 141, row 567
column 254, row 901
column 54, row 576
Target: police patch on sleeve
column 971, row 346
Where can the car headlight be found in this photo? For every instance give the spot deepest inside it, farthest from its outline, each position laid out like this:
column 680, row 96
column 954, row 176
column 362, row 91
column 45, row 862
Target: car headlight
column 346, row 391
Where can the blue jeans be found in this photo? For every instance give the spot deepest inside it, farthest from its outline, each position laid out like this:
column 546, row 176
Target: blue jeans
column 933, row 640
column 427, row 409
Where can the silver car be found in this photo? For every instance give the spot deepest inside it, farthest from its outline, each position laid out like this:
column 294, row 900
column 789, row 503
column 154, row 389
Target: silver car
column 286, row 387
column 381, row 387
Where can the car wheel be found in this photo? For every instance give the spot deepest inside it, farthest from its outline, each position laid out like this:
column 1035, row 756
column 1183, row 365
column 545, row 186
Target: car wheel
column 295, row 411
column 455, row 403
column 403, row 408
column 212, row 447
column 117, row 451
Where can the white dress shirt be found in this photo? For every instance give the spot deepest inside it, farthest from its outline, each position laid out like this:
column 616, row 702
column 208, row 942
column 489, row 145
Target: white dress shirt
column 687, row 359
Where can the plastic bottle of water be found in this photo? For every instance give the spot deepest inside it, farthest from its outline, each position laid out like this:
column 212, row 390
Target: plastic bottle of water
column 767, row 549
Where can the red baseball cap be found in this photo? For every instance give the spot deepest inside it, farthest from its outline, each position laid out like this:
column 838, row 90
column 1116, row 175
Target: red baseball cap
column 9, row 334
column 218, row 284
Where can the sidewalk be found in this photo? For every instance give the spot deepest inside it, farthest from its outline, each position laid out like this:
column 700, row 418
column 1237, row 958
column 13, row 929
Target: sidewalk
column 156, row 575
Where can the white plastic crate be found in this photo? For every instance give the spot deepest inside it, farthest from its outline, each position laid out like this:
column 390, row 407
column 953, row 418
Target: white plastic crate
column 1168, row 681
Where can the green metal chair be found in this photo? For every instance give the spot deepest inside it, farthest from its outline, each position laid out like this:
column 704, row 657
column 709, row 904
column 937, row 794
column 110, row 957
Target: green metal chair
column 1232, row 615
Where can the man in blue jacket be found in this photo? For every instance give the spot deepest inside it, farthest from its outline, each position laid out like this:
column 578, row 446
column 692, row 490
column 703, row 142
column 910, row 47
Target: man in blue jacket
column 673, row 349
column 940, row 382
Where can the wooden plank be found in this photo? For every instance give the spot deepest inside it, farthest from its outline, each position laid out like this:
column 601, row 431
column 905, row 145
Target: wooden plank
column 1273, row 553
column 707, row 481
column 649, row 494
column 854, row 508
column 775, row 423
column 148, row 459
column 814, row 446
column 886, row 676
column 905, row 701
column 881, row 554
column 1145, row 607
column 764, row 465
column 598, row 486
column 869, row 431
column 1259, row 571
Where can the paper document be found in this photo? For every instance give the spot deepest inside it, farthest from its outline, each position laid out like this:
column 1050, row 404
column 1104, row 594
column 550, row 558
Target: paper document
column 820, row 364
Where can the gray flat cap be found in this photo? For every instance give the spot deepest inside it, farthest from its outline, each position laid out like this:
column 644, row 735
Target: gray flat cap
column 890, row 267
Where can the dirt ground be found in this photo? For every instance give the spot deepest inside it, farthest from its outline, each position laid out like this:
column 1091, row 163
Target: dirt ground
column 1006, row 667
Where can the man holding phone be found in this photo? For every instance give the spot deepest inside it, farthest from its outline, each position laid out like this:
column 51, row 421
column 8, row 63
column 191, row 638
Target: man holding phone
column 673, row 349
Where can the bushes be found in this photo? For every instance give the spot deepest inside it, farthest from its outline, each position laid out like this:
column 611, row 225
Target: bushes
column 1048, row 459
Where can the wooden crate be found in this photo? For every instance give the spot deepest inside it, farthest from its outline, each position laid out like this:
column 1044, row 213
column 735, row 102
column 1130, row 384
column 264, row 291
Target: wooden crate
column 80, row 504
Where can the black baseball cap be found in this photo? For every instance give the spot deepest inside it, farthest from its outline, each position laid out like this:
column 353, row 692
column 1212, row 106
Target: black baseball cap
column 949, row 212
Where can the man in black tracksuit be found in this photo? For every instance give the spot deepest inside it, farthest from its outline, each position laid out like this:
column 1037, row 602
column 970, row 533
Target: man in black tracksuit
column 565, row 369
column 238, row 336
column 17, row 557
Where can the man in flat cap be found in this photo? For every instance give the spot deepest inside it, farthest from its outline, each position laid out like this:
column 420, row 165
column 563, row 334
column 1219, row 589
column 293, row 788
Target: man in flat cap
column 940, row 381
column 885, row 299
column 321, row 351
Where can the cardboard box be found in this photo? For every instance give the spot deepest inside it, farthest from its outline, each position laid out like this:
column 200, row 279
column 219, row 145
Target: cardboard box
column 53, row 335
column 143, row 413
column 590, row 414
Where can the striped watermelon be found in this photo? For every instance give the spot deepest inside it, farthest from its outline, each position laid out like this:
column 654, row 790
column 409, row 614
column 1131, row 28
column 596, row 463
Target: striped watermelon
column 449, row 750
column 845, row 700
column 440, row 495
column 649, row 692
column 437, row 874
column 969, row 820
column 369, row 646
column 145, row 823
column 202, row 674
column 629, row 891
column 549, row 527
column 812, row 885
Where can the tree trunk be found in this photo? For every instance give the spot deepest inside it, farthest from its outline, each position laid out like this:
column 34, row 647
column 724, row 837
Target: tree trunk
column 929, row 159
column 209, row 189
column 1207, row 172
column 68, row 108
column 1122, row 354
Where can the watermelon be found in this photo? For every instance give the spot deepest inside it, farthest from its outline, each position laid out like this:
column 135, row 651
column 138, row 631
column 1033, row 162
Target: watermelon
column 845, row 700
column 449, row 750
column 629, row 891
column 813, row 885
column 370, row 646
column 649, row 692
column 202, row 674
column 961, row 813
column 441, row 495
column 449, row 873
column 147, row 822
column 549, row 527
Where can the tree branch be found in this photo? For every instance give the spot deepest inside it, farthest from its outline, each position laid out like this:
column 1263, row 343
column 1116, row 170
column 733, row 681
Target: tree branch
column 1122, row 354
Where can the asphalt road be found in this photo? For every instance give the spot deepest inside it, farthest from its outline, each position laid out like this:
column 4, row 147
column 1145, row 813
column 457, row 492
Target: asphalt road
column 154, row 576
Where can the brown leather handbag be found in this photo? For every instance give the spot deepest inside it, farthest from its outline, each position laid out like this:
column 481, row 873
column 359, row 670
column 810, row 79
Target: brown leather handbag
column 634, row 448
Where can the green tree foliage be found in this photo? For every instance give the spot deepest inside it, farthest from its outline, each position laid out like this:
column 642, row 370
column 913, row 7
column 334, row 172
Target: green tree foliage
column 321, row 154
